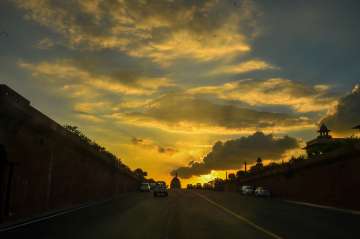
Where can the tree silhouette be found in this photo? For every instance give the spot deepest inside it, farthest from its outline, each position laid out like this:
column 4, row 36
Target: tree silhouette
column 110, row 158
column 140, row 173
column 232, row 177
column 240, row 174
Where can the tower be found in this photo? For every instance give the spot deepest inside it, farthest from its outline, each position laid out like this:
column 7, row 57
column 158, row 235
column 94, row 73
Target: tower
column 324, row 131
column 175, row 182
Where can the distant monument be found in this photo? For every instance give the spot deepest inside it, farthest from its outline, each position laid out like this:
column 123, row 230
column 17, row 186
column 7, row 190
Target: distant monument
column 323, row 143
column 175, row 182
column 324, row 132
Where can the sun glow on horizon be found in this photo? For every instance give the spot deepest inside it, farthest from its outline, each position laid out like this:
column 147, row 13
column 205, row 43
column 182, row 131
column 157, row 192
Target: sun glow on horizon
column 159, row 83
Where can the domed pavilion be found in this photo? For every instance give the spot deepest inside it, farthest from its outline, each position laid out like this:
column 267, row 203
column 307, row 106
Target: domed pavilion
column 175, row 183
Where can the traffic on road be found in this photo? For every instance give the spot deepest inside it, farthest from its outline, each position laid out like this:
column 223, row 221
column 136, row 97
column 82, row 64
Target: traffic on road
column 194, row 214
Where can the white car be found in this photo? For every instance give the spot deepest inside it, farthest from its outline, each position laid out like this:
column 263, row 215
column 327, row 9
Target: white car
column 144, row 187
column 247, row 190
column 262, row 192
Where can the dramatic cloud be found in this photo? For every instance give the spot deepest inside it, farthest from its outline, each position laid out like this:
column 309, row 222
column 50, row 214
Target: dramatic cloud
column 276, row 91
column 160, row 30
column 346, row 114
column 45, row 44
column 149, row 144
column 244, row 67
column 182, row 74
column 188, row 113
column 233, row 153
column 69, row 73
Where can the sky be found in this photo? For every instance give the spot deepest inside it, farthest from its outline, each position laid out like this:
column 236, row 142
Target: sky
column 187, row 86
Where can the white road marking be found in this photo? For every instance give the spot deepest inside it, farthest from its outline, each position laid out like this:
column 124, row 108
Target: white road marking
column 11, row 227
column 247, row 221
column 354, row 212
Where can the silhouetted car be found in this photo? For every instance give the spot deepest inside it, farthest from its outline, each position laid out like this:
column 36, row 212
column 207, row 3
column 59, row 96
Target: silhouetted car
column 144, row 187
column 160, row 190
column 162, row 183
column 262, row 192
column 152, row 186
column 207, row 186
column 247, row 190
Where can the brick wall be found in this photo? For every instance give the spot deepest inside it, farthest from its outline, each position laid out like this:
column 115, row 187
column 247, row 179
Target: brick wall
column 45, row 167
column 332, row 179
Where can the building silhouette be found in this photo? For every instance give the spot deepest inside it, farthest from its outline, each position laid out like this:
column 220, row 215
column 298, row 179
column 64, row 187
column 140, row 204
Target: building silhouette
column 323, row 143
column 175, row 182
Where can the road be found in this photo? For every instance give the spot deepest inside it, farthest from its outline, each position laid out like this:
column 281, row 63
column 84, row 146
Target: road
column 194, row 214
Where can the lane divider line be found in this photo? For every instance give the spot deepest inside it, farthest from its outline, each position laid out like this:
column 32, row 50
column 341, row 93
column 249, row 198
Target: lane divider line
column 354, row 212
column 243, row 219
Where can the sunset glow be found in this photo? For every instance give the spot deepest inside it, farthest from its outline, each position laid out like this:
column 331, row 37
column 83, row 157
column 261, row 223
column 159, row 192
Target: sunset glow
column 159, row 83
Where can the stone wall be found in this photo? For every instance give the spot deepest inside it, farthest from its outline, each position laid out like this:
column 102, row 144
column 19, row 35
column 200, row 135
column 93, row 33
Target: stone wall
column 44, row 167
column 332, row 179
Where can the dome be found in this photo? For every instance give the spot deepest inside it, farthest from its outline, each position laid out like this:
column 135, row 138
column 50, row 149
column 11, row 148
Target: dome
column 175, row 182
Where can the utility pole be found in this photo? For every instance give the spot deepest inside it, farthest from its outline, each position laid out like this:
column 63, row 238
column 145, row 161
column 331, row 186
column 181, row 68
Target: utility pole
column 245, row 166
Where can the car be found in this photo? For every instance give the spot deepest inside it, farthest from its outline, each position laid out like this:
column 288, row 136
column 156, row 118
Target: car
column 160, row 190
column 144, row 187
column 262, row 192
column 152, row 186
column 247, row 190
column 207, row 186
column 162, row 183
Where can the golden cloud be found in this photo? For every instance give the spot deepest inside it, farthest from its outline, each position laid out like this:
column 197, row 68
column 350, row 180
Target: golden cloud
column 45, row 44
column 183, row 44
column 150, row 144
column 275, row 91
column 189, row 115
column 159, row 30
column 90, row 118
column 233, row 153
column 244, row 67
column 68, row 74
column 345, row 115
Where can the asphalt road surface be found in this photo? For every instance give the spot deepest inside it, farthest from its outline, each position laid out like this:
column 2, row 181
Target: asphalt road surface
column 194, row 214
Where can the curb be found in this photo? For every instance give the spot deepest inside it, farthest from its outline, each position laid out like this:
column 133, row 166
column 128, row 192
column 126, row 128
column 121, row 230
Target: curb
column 342, row 210
column 52, row 214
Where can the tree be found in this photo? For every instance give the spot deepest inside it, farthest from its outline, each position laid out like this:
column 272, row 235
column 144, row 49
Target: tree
column 232, row 177
column 151, row 180
column 240, row 174
column 109, row 157
column 140, row 173
column 219, row 184
column 295, row 160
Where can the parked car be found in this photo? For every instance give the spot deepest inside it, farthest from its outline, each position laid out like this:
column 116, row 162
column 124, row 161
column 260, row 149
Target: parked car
column 160, row 190
column 262, row 192
column 144, row 187
column 162, row 183
column 152, row 186
column 247, row 190
column 207, row 186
